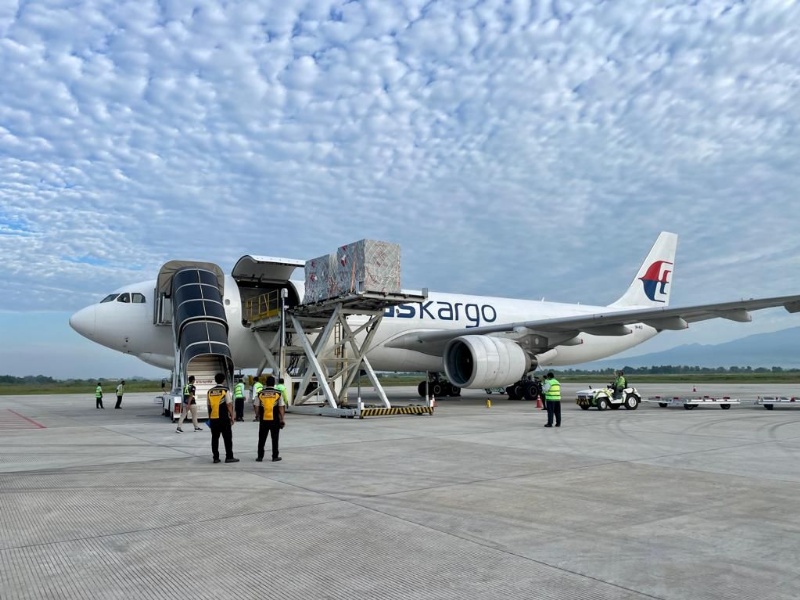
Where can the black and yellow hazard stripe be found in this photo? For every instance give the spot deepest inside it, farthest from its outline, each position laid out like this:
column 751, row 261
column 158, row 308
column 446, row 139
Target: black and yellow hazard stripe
column 396, row 410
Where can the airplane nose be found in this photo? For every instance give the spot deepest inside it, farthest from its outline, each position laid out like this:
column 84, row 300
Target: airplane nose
column 84, row 321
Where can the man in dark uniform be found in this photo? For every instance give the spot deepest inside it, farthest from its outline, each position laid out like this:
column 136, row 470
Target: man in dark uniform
column 221, row 419
column 271, row 412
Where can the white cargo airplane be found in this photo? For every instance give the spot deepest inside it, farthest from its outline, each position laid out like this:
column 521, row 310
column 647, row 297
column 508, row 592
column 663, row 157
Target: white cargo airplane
column 478, row 341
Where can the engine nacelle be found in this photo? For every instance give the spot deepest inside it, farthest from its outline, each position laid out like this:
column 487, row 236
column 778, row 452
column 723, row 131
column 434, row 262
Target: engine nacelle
column 482, row 361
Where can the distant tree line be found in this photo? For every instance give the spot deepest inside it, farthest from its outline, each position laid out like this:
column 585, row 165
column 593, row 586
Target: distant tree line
column 43, row 379
column 679, row 370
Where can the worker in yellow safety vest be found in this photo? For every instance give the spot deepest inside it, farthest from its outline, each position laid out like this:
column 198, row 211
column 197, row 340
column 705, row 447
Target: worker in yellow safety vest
column 271, row 410
column 220, row 418
column 238, row 399
column 552, row 399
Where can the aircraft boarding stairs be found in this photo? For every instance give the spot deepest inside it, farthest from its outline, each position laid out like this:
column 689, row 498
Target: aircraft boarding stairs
column 200, row 331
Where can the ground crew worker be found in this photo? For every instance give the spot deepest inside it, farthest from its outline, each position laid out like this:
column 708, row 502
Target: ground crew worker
column 257, row 387
column 189, row 405
column 620, row 383
column 282, row 389
column 271, row 411
column 120, row 391
column 552, row 399
column 238, row 399
column 98, row 396
column 221, row 419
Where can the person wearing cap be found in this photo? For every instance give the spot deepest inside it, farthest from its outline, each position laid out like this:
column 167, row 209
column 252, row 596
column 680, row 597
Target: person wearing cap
column 552, row 399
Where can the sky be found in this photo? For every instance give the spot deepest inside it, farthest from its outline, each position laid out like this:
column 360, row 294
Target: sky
column 511, row 148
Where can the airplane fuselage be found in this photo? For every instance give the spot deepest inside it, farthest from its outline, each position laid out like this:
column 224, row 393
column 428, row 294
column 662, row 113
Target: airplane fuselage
column 129, row 328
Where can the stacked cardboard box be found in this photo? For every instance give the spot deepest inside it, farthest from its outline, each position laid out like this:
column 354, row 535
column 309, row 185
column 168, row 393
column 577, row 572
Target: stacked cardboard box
column 320, row 281
column 363, row 266
column 368, row 266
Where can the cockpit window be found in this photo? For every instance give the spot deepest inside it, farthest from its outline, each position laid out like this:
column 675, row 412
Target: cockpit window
column 126, row 297
column 138, row 298
column 109, row 298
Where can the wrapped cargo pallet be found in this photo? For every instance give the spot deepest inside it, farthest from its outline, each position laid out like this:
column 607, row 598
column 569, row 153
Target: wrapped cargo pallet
column 320, row 282
column 367, row 266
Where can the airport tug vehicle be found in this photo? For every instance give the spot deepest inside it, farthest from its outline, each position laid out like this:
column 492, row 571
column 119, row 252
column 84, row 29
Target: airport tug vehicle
column 604, row 398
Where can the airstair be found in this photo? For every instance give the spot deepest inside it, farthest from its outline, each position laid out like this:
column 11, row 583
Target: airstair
column 189, row 297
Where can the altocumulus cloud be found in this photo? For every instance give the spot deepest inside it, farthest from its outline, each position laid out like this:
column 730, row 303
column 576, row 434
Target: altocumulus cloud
column 537, row 146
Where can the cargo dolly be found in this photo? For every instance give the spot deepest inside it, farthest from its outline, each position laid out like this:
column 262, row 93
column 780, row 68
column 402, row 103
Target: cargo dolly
column 690, row 403
column 769, row 402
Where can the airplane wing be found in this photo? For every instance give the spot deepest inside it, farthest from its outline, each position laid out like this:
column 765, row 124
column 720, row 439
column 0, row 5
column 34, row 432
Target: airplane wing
column 607, row 323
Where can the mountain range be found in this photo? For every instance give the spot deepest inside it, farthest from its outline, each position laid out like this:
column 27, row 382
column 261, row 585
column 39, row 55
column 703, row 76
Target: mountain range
column 776, row 349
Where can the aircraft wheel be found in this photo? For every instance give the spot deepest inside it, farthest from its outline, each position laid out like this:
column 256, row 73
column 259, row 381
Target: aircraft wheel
column 421, row 389
column 455, row 391
column 602, row 404
column 725, row 406
column 769, row 406
column 662, row 404
column 436, row 389
column 631, row 402
column 510, row 391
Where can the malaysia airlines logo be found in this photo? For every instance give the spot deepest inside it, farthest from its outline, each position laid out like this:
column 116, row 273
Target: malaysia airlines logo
column 656, row 280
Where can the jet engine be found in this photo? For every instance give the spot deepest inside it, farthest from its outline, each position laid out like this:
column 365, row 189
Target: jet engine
column 482, row 361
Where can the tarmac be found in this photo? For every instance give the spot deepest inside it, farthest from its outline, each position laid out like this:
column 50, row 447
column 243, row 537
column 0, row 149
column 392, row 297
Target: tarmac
column 471, row 502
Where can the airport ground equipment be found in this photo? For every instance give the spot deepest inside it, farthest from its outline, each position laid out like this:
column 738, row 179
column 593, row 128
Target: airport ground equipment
column 319, row 343
column 189, row 299
column 770, row 402
column 604, row 398
column 692, row 402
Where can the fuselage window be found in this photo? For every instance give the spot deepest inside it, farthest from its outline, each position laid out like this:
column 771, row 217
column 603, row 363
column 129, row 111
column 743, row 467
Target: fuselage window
column 138, row 298
column 126, row 297
column 109, row 298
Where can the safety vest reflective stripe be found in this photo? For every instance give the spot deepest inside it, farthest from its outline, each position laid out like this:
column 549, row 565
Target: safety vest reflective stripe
column 238, row 390
column 186, row 391
column 98, row 392
column 216, row 397
column 554, row 392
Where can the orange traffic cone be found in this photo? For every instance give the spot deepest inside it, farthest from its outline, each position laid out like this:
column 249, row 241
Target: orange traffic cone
column 539, row 402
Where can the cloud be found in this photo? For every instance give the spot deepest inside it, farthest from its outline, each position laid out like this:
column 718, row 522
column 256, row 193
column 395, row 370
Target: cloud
column 510, row 147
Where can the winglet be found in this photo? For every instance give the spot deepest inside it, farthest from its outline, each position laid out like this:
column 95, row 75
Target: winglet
column 653, row 282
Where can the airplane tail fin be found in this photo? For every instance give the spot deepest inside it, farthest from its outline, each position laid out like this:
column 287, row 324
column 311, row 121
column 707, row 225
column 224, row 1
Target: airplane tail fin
column 653, row 282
